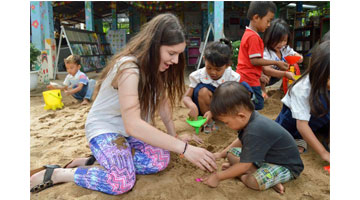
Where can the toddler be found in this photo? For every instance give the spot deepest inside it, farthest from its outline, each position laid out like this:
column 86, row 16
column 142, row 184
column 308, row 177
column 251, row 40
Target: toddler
column 76, row 82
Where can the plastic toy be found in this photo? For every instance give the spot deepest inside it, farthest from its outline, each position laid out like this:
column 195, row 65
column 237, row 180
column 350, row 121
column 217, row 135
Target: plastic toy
column 52, row 99
column 327, row 168
column 196, row 123
column 297, row 77
column 292, row 60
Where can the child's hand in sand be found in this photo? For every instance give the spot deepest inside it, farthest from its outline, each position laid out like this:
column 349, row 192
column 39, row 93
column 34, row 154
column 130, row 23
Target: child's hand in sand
column 218, row 156
column 212, row 180
column 208, row 116
column 188, row 137
column 193, row 113
column 67, row 92
column 50, row 87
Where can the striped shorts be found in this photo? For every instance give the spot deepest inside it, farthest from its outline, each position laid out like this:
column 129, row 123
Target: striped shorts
column 267, row 175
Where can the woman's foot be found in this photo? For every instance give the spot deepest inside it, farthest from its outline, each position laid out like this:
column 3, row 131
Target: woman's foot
column 58, row 175
column 37, row 178
column 279, row 188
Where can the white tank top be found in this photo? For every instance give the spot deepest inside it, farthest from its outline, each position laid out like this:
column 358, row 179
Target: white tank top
column 105, row 115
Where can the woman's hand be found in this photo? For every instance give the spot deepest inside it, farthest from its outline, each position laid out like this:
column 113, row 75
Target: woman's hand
column 212, row 180
column 190, row 137
column 200, row 157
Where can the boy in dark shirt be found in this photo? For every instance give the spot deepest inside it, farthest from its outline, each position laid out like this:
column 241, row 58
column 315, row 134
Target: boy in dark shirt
column 264, row 155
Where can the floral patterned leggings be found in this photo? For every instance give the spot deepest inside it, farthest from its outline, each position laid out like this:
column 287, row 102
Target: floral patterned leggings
column 119, row 164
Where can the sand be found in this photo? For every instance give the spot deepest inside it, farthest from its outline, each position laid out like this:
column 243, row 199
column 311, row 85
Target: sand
column 56, row 137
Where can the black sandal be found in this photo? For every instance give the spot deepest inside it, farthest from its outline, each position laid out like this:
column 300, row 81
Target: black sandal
column 91, row 160
column 47, row 182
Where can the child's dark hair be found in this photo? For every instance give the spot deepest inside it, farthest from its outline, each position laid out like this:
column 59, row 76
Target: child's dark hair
column 319, row 74
column 73, row 59
column 228, row 98
column 275, row 33
column 219, row 53
column 260, row 8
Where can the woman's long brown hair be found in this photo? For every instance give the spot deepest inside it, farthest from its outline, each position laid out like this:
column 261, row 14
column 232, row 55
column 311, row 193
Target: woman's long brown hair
column 154, row 86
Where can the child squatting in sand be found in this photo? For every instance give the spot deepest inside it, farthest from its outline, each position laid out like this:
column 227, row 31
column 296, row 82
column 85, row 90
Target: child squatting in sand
column 76, row 83
column 264, row 155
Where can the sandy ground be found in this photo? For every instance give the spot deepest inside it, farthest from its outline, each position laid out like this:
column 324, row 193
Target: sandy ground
column 56, row 137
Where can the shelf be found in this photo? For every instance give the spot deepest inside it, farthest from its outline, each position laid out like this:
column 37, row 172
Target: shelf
column 193, row 52
column 92, row 47
column 78, row 42
column 96, row 55
column 306, row 28
column 303, row 38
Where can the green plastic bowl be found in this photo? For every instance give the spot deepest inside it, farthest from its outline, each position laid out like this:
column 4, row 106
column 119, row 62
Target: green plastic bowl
column 196, row 123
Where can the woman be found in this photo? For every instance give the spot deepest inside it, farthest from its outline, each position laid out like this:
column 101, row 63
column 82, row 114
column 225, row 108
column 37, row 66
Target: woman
column 145, row 77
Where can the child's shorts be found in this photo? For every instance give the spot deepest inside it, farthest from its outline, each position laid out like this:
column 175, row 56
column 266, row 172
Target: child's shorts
column 267, row 175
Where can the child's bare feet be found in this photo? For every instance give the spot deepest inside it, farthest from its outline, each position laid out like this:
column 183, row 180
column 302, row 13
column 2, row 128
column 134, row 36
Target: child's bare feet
column 301, row 149
column 85, row 102
column 224, row 166
column 279, row 188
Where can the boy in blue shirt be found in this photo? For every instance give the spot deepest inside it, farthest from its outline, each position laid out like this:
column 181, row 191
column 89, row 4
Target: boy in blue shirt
column 264, row 155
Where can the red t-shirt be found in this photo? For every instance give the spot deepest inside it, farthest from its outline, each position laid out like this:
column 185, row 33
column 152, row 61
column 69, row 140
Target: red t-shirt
column 251, row 46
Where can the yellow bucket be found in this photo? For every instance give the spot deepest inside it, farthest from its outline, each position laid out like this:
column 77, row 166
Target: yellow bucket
column 52, row 99
column 297, row 77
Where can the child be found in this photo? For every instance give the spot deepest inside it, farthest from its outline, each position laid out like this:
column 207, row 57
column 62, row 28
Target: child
column 264, row 155
column 204, row 81
column 276, row 42
column 306, row 105
column 250, row 59
column 145, row 78
column 76, row 82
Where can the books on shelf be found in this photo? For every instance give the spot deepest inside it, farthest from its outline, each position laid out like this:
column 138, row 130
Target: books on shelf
column 91, row 46
column 93, row 63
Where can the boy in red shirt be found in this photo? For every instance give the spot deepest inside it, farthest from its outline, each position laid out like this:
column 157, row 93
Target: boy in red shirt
column 250, row 59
